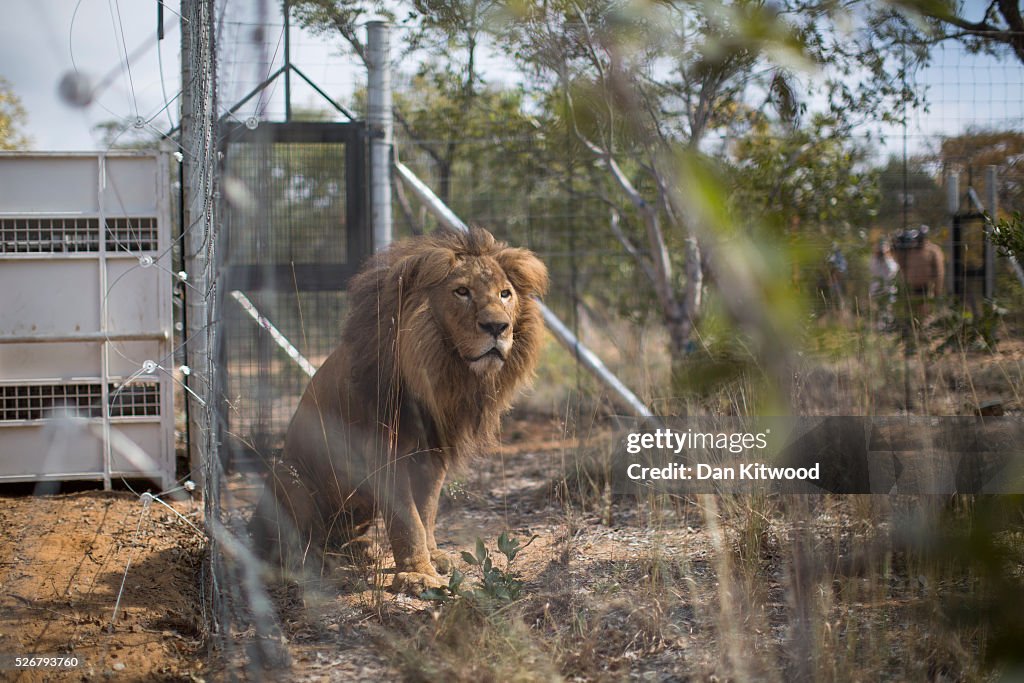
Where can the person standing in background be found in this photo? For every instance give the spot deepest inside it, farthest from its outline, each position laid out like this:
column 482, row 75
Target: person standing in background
column 882, row 290
column 922, row 264
column 922, row 268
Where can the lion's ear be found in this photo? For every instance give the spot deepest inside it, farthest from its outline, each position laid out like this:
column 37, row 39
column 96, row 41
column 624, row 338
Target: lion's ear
column 525, row 271
column 424, row 268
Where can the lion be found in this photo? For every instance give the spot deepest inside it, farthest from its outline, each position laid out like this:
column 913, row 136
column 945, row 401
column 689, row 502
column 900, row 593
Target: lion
column 442, row 331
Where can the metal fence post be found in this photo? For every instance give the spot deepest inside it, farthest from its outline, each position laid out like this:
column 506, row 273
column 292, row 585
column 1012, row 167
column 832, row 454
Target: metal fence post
column 379, row 121
column 953, row 207
column 199, row 167
column 992, row 183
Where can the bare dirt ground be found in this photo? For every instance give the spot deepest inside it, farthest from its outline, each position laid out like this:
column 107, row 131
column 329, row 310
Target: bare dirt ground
column 62, row 561
column 346, row 628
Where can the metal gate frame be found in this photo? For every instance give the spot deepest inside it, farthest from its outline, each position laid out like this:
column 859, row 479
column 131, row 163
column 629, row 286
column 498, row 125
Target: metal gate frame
column 283, row 277
column 316, row 276
column 963, row 274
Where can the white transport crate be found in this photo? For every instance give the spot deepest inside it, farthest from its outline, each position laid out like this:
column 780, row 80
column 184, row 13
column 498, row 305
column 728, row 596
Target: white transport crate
column 85, row 317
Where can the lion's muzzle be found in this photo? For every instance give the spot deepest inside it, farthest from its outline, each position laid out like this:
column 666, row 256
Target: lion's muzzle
column 492, row 359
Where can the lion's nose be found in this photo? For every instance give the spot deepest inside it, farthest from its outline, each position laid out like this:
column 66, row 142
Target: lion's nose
column 495, row 329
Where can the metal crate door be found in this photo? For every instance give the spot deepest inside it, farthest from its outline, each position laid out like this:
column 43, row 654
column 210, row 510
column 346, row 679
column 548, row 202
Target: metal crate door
column 294, row 208
column 85, row 317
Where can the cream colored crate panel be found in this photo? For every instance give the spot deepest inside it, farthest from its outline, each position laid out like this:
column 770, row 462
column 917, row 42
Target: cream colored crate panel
column 56, row 296
column 133, row 294
column 130, row 187
column 28, row 184
column 124, row 359
column 54, row 362
column 82, row 307
column 124, row 461
column 45, row 450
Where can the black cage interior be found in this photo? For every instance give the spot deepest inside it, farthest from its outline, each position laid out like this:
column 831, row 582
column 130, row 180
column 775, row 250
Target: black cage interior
column 968, row 258
column 294, row 198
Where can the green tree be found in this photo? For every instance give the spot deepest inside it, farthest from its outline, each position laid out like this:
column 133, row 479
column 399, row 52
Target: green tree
column 808, row 178
column 995, row 27
column 439, row 120
column 910, row 193
column 970, row 154
column 654, row 93
column 12, row 118
column 452, row 29
column 650, row 120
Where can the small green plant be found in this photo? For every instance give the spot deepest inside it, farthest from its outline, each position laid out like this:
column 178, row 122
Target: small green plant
column 1008, row 235
column 961, row 329
column 496, row 585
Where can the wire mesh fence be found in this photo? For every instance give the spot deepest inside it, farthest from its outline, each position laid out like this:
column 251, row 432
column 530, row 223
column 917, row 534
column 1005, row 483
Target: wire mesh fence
column 290, row 246
column 274, row 224
column 271, row 226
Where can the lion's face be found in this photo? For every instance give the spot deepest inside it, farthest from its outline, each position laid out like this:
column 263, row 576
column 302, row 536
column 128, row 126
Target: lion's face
column 476, row 308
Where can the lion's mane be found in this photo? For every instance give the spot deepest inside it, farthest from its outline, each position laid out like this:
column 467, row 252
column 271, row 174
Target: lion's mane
column 397, row 349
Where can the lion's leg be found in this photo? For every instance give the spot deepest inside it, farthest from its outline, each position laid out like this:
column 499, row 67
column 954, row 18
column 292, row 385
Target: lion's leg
column 347, row 530
column 429, row 475
column 413, row 569
column 286, row 525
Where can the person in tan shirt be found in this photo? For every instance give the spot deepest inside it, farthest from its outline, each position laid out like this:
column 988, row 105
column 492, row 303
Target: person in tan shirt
column 922, row 267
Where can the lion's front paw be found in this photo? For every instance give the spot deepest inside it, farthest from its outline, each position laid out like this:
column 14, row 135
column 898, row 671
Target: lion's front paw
column 441, row 560
column 414, row 583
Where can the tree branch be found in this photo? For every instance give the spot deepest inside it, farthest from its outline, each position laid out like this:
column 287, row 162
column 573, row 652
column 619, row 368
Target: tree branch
column 417, row 139
column 630, row 248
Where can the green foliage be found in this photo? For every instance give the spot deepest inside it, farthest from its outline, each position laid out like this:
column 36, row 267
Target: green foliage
column 645, row 85
column 988, row 28
column 339, row 17
column 864, row 54
column 496, row 585
column 1008, row 235
column 12, row 118
column 961, row 330
column 810, row 179
column 712, row 116
column 476, row 138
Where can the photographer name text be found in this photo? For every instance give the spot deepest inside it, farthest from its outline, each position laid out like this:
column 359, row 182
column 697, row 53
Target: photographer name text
column 705, row 472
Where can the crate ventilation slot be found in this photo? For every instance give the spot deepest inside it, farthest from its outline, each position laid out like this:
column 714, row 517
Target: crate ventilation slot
column 76, row 235
column 49, row 235
column 38, row 401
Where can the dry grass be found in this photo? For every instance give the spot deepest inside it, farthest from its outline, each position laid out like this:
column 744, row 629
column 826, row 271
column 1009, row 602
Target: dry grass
column 724, row 588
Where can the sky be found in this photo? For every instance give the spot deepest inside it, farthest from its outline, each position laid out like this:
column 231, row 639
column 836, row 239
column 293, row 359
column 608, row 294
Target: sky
column 43, row 41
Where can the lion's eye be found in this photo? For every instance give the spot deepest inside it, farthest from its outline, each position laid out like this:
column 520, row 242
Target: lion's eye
column 506, row 294
column 462, row 291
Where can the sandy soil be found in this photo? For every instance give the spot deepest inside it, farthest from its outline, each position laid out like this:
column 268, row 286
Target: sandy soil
column 63, row 559
column 62, row 562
